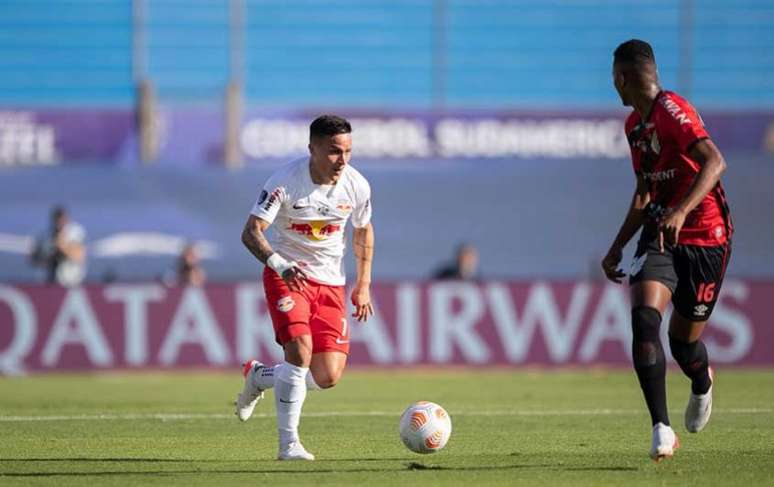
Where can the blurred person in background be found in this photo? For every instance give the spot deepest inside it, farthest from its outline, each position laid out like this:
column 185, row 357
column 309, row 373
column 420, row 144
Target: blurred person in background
column 685, row 242
column 189, row 268
column 464, row 266
column 309, row 201
column 60, row 250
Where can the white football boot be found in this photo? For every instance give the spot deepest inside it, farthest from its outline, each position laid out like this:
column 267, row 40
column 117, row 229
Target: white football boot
column 665, row 442
column 699, row 408
column 294, row 451
column 251, row 394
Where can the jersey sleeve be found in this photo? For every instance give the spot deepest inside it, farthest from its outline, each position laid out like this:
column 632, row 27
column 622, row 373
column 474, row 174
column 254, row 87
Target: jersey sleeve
column 272, row 197
column 75, row 233
column 684, row 125
column 361, row 214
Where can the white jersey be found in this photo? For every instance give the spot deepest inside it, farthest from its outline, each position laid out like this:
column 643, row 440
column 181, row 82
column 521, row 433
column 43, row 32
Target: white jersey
column 66, row 272
column 309, row 219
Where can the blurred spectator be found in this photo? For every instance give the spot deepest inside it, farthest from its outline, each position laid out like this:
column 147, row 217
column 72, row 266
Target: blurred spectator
column 60, row 250
column 189, row 269
column 465, row 265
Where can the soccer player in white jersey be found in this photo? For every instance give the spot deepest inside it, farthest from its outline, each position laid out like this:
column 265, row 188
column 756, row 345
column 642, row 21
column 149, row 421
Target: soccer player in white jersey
column 309, row 202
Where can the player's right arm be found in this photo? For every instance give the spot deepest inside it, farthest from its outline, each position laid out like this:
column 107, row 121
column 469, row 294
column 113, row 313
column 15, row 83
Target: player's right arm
column 633, row 221
column 254, row 238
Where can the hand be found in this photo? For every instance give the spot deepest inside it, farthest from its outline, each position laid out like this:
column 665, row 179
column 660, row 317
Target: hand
column 361, row 299
column 295, row 278
column 610, row 264
column 669, row 228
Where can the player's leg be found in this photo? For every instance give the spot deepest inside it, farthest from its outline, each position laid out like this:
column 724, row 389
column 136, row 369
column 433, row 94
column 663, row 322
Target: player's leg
column 700, row 273
column 649, row 300
column 290, row 393
column 290, row 313
column 652, row 281
column 691, row 355
column 326, row 369
column 330, row 335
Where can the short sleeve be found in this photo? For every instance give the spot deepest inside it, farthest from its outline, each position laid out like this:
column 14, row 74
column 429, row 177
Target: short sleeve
column 75, row 233
column 684, row 124
column 361, row 215
column 269, row 201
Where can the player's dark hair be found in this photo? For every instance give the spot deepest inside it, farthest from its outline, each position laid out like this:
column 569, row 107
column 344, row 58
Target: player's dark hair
column 329, row 125
column 634, row 52
column 58, row 211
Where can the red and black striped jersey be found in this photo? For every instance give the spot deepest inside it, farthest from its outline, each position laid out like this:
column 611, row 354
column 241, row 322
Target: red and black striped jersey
column 660, row 147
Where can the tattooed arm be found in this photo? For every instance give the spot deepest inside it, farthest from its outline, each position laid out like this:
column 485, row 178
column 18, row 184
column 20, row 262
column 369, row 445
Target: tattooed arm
column 363, row 245
column 254, row 239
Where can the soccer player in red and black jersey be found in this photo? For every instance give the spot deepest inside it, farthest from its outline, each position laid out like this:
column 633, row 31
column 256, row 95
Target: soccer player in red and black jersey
column 685, row 242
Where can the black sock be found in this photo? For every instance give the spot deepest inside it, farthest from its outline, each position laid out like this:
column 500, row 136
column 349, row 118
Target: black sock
column 649, row 361
column 692, row 358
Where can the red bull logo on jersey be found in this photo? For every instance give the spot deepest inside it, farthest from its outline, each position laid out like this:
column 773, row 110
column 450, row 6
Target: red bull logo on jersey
column 316, row 230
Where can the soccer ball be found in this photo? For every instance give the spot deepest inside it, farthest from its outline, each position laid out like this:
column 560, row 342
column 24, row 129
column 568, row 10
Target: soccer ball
column 425, row 427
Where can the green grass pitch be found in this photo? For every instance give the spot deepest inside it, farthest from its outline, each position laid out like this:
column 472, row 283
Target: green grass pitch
column 511, row 427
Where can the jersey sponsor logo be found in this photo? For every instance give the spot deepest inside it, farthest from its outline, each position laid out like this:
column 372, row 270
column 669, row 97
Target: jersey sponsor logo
column 303, row 204
column 341, row 341
column 285, row 304
column 700, row 309
column 674, row 109
column 273, row 198
column 660, row 175
column 316, row 230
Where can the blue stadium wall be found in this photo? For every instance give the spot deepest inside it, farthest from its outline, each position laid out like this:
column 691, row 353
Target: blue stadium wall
column 396, row 53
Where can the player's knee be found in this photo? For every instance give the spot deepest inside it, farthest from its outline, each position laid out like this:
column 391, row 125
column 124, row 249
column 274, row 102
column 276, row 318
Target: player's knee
column 327, row 378
column 646, row 349
column 646, row 322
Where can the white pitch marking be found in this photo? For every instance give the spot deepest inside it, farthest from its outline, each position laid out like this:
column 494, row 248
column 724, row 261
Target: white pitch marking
column 189, row 416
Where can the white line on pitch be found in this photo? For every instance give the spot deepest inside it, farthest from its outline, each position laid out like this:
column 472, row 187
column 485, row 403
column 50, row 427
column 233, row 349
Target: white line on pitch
column 189, row 416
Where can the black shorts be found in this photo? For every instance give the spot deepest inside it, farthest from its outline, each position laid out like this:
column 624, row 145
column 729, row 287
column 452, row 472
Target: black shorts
column 694, row 274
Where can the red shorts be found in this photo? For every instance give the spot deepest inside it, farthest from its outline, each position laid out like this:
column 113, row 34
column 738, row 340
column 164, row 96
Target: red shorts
column 319, row 310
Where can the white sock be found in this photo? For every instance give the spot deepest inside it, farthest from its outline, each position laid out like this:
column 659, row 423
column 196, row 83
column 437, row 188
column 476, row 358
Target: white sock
column 267, row 377
column 311, row 385
column 289, row 395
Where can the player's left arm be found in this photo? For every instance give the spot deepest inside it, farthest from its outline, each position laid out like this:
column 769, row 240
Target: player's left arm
column 363, row 245
column 712, row 163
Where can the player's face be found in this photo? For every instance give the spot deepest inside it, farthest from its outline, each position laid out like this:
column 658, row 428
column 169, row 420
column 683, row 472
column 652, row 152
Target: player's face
column 619, row 81
column 59, row 221
column 331, row 154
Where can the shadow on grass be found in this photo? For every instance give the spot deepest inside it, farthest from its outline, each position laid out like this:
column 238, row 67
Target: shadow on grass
column 413, row 466
column 187, row 460
column 601, row 469
column 410, row 466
